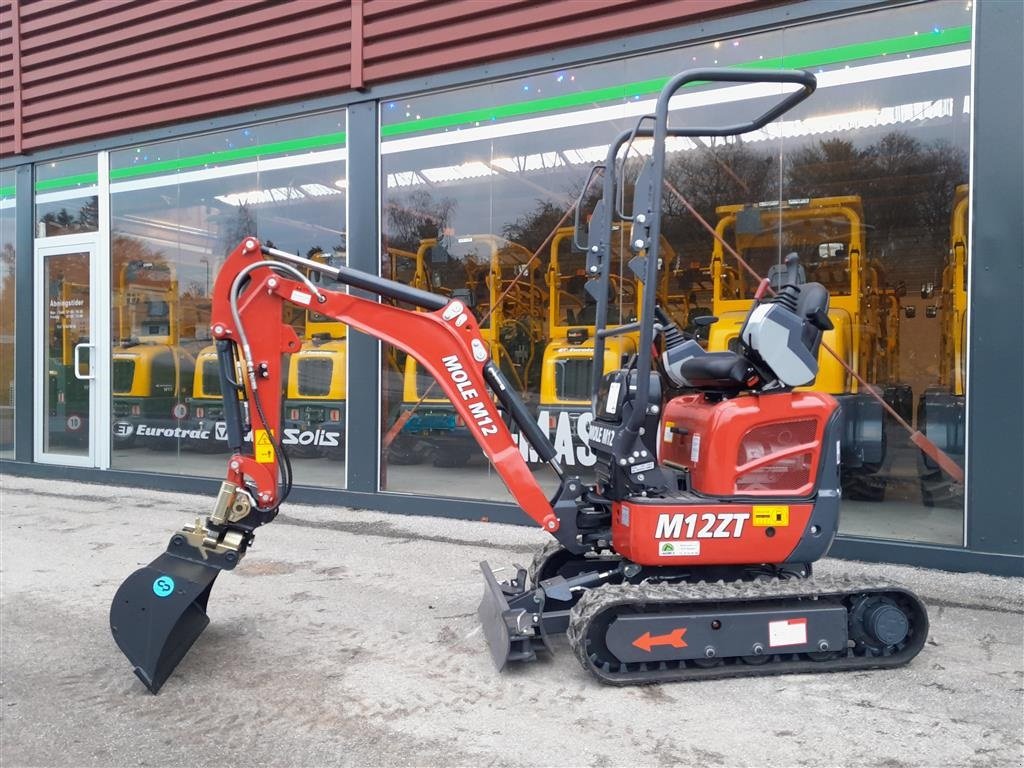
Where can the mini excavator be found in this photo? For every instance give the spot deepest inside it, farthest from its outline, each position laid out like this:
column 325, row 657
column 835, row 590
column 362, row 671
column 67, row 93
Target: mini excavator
column 717, row 482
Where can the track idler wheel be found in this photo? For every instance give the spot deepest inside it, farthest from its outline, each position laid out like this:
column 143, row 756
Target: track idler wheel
column 878, row 625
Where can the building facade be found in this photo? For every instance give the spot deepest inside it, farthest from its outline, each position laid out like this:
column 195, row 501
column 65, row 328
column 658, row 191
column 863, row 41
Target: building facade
column 445, row 145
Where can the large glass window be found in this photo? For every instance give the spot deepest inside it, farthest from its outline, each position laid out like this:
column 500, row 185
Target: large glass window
column 862, row 181
column 178, row 208
column 8, row 240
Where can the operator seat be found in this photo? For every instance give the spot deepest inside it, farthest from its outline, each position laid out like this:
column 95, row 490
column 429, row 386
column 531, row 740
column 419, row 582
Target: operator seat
column 719, row 372
column 730, row 372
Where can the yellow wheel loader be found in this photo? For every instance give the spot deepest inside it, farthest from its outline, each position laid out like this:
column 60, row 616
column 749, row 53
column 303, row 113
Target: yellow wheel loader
column 564, row 407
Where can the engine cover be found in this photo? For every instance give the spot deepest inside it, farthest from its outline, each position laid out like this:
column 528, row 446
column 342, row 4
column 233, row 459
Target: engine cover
column 752, row 445
column 686, row 532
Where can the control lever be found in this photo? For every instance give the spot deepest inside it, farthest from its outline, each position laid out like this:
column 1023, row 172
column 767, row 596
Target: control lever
column 679, row 347
column 820, row 320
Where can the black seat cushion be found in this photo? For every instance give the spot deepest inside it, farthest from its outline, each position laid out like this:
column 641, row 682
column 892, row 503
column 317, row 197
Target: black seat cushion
column 718, row 370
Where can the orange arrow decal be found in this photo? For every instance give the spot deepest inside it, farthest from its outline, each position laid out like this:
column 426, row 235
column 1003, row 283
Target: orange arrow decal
column 646, row 641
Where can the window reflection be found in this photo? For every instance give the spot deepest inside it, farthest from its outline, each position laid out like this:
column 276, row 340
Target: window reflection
column 178, row 209
column 860, row 182
column 66, row 199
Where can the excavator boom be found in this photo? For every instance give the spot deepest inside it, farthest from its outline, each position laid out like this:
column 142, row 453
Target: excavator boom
column 446, row 341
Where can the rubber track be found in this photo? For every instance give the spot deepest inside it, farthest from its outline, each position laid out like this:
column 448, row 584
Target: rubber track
column 551, row 546
column 694, row 596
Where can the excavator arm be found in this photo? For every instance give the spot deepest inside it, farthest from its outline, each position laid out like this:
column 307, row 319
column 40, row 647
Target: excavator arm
column 160, row 610
column 445, row 340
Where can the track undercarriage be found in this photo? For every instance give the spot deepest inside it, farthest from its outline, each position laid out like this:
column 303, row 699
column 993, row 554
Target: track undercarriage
column 628, row 625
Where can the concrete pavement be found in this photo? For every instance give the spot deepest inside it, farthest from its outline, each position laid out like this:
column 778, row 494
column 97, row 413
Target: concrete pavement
column 350, row 638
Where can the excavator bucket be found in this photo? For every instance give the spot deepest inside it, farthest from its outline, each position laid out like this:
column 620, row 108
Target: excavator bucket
column 159, row 611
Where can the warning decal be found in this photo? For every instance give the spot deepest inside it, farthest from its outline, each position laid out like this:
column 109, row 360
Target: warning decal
column 787, row 632
column 264, row 448
column 770, row 515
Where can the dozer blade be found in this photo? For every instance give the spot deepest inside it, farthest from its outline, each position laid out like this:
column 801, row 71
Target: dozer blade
column 512, row 632
column 159, row 611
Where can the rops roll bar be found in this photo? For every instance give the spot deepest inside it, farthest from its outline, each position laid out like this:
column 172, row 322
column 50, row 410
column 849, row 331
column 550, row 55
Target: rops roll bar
column 646, row 232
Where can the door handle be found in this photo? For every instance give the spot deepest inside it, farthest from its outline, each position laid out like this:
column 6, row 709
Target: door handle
column 78, row 363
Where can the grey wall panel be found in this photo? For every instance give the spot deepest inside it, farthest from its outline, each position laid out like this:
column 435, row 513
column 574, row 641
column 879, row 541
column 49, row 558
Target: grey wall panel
column 364, row 254
column 995, row 386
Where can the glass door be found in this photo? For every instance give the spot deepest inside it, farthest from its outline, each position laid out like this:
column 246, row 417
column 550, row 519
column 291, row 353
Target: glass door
column 69, row 363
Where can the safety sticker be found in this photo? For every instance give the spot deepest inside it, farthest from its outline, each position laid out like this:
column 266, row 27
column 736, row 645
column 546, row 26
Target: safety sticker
column 667, row 437
column 301, row 298
column 624, row 515
column 613, row 397
column 678, row 548
column 264, row 447
column 163, row 586
column 787, row 632
column 695, row 448
column 773, row 515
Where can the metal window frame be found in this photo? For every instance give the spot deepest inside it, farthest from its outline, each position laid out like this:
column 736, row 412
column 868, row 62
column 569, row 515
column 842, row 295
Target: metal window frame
column 995, row 350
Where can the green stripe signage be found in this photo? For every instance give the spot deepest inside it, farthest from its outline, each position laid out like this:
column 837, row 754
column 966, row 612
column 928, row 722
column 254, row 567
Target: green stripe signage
column 840, row 55
column 844, row 54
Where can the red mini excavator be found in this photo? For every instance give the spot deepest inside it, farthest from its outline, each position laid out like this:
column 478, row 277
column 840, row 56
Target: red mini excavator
column 717, row 484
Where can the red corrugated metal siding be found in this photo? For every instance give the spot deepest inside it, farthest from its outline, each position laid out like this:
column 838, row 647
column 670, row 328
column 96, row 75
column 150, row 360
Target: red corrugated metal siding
column 90, row 68
column 404, row 39
column 8, row 51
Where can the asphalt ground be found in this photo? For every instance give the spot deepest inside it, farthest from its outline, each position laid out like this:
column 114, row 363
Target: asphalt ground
column 350, row 638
